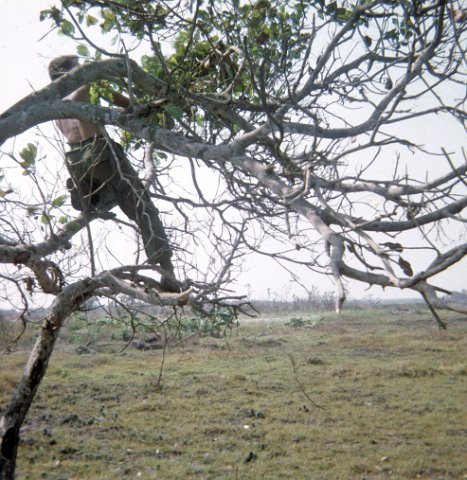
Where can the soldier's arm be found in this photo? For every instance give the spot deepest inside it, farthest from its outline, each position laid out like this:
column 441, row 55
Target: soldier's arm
column 120, row 100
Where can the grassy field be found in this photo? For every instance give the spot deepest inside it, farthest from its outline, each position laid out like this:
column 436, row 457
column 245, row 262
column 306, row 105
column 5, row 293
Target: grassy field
column 366, row 395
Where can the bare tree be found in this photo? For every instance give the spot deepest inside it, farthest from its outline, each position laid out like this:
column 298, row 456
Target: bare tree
column 305, row 117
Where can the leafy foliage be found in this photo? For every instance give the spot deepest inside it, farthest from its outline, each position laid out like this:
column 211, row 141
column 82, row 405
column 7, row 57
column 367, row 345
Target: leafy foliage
column 297, row 103
column 219, row 322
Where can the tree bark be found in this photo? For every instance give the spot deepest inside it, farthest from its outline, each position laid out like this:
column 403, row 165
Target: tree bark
column 10, row 423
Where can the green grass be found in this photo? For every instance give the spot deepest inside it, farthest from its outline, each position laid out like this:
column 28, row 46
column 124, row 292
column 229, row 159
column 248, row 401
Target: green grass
column 361, row 396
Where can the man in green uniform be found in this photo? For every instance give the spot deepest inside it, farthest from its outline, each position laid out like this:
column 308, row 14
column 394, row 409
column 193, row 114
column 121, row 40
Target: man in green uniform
column 102, row 176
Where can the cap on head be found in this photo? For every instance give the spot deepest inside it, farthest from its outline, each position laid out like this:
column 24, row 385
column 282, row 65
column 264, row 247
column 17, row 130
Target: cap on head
column 61, row 65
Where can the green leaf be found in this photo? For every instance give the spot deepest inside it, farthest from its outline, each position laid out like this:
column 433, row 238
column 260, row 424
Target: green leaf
column 59, row 201
column 343, row 14
column 90, row 20
column 109, row 20
column 73, row 226
column 106, row 215
column 82, row 50
column 45, row 218
column 162, row 155
column 54, row 13
column 4, row 193
column 331, row 8
column 67, row 27
column 94, row 94
column 391, row 34
column 28, row 154
column 63, row 219
column 173, row 110
column 44, row 14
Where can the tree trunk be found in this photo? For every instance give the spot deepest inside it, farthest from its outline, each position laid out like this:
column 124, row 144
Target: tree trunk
column 16, row 411
column 13, row 417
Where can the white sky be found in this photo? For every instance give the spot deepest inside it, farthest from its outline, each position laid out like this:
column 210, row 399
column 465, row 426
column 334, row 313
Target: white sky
column 24, row 68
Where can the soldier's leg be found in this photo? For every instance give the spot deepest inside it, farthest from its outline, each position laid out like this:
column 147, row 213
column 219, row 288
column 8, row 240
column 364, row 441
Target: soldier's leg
column 136, row 204
column 84, row 192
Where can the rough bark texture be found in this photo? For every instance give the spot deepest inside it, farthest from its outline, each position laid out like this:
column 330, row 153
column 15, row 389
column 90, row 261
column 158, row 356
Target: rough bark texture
column 66, row 302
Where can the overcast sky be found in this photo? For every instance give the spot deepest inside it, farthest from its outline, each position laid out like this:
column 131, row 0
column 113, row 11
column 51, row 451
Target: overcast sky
column 26, row 48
